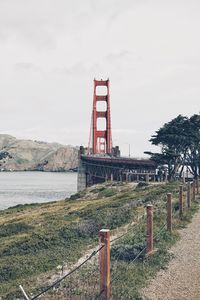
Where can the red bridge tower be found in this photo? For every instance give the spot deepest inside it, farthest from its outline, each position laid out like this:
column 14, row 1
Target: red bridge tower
column 101, row 139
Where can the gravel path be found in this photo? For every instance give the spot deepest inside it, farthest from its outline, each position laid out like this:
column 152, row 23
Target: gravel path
column 181, row 279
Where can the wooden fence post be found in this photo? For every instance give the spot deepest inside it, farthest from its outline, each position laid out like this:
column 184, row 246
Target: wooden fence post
column 169, row 212
column 188, row 194
column 104, row 260
column 197, row 186
column 127, row 177
column 193, row 190
column 183, row 177
column 147, row 178
column 165, row 176
column 111, row 177
column 180, row 200
column 149, row 247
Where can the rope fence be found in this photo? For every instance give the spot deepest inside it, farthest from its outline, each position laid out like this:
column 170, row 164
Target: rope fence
column 93, row 278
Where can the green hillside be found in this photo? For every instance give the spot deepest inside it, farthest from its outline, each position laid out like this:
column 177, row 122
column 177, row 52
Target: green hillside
column 35, row 239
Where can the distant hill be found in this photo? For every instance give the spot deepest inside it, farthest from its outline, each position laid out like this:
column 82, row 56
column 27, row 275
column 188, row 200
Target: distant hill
column 20, row 155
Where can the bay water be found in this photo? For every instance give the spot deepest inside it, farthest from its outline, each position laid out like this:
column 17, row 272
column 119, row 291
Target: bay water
column 35, row 187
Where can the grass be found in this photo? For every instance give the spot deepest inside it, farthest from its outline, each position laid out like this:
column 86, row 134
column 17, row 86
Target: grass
column 35, row 239
column 127, row 278
column 131, row 277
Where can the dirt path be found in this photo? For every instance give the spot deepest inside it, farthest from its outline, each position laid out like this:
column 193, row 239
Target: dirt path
column 181, row 279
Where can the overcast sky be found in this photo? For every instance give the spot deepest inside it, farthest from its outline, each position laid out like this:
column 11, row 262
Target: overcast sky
column 51, row 50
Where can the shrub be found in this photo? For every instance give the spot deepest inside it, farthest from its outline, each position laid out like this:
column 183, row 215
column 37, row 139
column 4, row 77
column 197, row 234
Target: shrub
column 127, row 252
column 75, row 196
column 107, row 193
column 7, row 273
column 14, row 228
column 141, row 185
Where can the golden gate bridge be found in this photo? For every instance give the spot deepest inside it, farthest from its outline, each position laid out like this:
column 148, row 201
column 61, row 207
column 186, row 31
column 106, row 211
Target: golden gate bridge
column 101, row 161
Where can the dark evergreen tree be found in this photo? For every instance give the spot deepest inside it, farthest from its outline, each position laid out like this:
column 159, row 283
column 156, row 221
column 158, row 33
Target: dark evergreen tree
column 193, row 145
column 179, row 140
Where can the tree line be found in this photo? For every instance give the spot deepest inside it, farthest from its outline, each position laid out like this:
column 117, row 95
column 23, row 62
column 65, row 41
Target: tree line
column 179, row 140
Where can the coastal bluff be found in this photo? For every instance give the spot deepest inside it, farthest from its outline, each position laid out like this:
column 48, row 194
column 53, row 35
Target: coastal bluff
column 27, row 155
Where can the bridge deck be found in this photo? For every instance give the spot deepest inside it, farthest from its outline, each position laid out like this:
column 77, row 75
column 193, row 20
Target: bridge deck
column 95, row 169
column 119, row 161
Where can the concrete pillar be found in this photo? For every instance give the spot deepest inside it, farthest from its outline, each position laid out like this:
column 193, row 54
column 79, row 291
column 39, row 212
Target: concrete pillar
column 82, row 180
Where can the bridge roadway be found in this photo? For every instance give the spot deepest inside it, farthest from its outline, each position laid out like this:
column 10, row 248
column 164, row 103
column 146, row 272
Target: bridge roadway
column 95, row 169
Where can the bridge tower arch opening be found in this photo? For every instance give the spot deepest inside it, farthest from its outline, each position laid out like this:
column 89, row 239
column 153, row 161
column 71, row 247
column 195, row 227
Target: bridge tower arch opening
column 101, row 139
